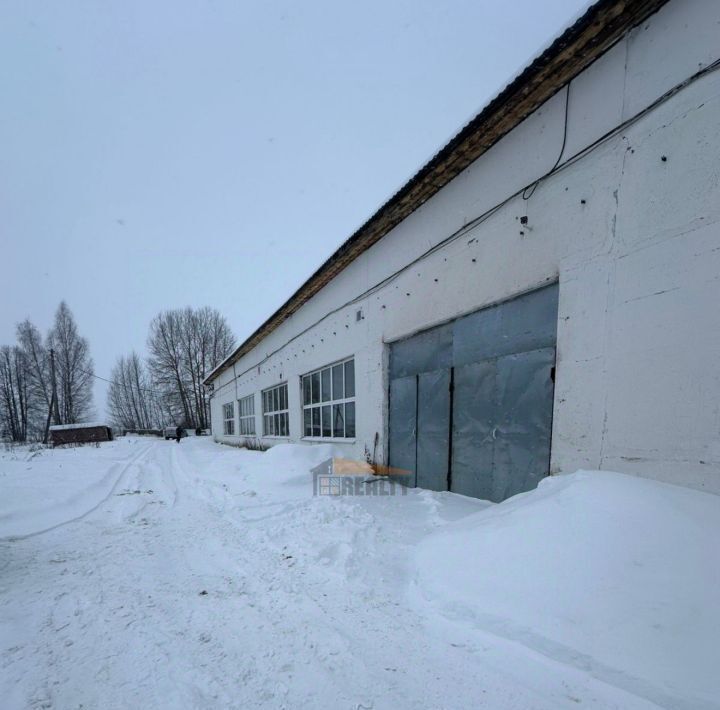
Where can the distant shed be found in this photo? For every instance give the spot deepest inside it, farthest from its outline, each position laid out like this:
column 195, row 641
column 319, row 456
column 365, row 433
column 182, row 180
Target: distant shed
column 79, row 433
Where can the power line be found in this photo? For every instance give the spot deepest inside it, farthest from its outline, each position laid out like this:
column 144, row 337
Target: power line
column 528, row 191
column 111, row 382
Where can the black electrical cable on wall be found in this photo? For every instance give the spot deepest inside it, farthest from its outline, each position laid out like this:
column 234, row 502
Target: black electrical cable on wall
column 527, row 193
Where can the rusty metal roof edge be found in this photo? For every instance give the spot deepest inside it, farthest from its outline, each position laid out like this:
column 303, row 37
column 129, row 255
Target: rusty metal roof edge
column 619, row 16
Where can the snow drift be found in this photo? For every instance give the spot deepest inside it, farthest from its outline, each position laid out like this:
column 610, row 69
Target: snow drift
column 613, row 574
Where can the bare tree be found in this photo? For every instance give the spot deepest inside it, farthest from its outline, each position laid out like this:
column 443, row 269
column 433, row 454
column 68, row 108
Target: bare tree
column 14, row 394
column 38, row 363
column 74, row 367
column 132, row 399
column 185, row 345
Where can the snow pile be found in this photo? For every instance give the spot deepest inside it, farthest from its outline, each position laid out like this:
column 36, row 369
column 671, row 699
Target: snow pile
column 616, row 575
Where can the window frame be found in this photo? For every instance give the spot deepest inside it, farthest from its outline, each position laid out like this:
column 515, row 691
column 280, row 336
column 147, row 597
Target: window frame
column 317, row 377
column 228, row 420
column 247, row 419
column 268, row 396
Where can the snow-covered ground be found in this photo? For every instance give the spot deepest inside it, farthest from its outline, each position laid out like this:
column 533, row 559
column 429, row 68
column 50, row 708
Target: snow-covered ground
column 152, row 574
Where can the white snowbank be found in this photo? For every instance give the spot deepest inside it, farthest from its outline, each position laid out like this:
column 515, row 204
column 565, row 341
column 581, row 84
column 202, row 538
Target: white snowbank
column 610, row 573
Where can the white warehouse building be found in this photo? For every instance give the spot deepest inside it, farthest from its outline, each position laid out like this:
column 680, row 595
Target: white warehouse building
column 542, row 296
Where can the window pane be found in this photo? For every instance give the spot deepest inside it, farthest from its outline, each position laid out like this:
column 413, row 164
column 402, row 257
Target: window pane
column 276, row 417
column 286, row 425
column 327, row 420
column 350, row 419
column 275, row 405
column 315, row 387
column 283, row 397
column 338, row 419
column 325, row 376
column 350, row 378
column 306, row 389
column 307, row 423
column 316, row 421
column 337, row 382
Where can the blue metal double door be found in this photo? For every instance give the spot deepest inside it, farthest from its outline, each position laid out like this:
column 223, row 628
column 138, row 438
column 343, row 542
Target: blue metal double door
column 480, row 423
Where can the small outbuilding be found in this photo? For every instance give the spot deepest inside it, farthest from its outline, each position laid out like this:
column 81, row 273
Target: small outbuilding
column 79, row 433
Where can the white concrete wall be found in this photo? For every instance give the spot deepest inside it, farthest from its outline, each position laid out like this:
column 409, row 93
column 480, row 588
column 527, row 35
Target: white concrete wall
column 634, row 241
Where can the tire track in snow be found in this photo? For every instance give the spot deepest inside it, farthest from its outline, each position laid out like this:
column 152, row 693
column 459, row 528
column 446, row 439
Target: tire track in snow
column 124, row 469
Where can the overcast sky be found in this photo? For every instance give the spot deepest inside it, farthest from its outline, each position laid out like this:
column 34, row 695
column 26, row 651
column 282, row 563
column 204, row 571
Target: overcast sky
column 158, row 154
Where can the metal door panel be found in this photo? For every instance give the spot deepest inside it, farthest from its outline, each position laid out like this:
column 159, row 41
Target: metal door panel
column 474, row 414
column 433, row 430
column 427, row 351
column 524, row 422
column 528, row 322
column 403, row 427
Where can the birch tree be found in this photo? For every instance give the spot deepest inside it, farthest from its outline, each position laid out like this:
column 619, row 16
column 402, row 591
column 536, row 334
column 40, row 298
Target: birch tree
column 37, row 361
column 132, row 400
column 73, row 367
column 14, row 394
column 184, row 346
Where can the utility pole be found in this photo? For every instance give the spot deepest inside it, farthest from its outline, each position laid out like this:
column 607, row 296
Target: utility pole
column 53, row 381
column 53, row 411
column 47, row 422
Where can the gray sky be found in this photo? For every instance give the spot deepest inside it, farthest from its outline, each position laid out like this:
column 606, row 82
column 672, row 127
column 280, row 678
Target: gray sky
column 157, row 154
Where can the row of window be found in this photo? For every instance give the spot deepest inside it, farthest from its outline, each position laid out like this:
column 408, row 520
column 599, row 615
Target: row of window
column 328, row 401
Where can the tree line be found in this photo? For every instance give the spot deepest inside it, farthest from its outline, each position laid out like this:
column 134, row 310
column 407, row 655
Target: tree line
column 167, row 387
column 45, row 380
column 49, row 380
